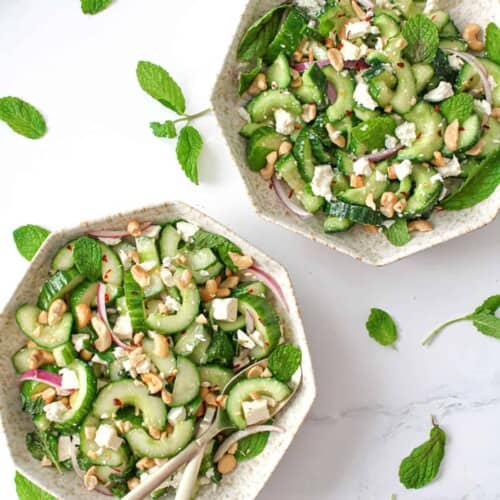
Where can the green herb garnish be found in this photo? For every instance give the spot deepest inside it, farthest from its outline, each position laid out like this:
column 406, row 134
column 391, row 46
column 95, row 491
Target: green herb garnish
column 22, row 117
column 43, row 444
column 29, row 239
column 397, row 233
column 94, row 6
column 492, row 43
column 188, row 151
column 458, row 107
column 284, row 361
column 251, row 446
column 221, row 349
column 381, row 327
column 422, row 36
column 247, row 78
column 87, row 254
column 26, row 490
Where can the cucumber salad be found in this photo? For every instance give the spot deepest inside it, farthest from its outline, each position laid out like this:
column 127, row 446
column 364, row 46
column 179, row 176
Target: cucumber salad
column 372, row 112
column 131, row 348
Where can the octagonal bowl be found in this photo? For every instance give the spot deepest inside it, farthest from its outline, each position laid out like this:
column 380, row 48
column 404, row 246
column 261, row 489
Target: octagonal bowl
column 370, row 248
column 251, row 475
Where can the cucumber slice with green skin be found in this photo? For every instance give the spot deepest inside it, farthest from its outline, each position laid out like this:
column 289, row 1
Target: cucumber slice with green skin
column 423, row 74
column 263, row 106
column 156, row 285
column 21, row 358
column 177, row 322
column 143, row 445
column 84, row 293
column 146, row 248
column 243, row 390
column 288, row 170
column 112, row 271
column 405, row 95
column 376, row 57
column 215, row 375
column 267, row 323
column 263, row 141
column 58, row 285
column 289, row 36
column 339, row 183
column 116, row 371
column 193, row 407
column 490, row 137
column 356, row 213
column 439, row 18
column 468, row 79
column 123, row 393
column 387, row 25
column 334, row 224
column 404, row 187
column 459, row 45
column 106, row 456
column 169, row 242
column 252, row 288
column 44, row 336
column 200, row 259
column 449, row 30
column 394, row 47
column 41, row 422
column 364, row 114
column 199, row 355
column 469, row 134
column 64, row 354
column 63, row 259
column 426, row 192
column 189, row 339
column 313, row 86
column 82, row 401
column 302, row 151
column 335, row 17
column 407, row 7
column 232, row 326
column 187, row 382
column 344, row 162
column 279, row 72
column 357, row 196
column 249, row 128
column 134, row 299
column 430, row 128
column 343, row 83
column 203, row 275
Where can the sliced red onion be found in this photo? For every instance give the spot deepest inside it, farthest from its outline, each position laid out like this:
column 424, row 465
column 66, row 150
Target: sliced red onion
column 107, row 233
column 304, row 65
column 271, row 283
column 331, row 92
column 103, row 314
column 282, row 192
column 479, row 67
column 358, row 65
column 235, row 437
column 44, row 376
column 383, row 155
column 249, row 321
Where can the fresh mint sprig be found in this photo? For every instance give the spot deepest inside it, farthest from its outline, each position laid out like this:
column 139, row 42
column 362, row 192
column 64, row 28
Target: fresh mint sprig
column 157, row 82
column 483, row 318
column 94, row 6
column 22, row 117
column 29, row 239
column 423, row 39
column 381, row 327
column 26, row 490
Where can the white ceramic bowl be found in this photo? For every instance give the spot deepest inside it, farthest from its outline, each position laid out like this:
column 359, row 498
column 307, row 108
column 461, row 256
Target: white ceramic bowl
column 369, row 248
column 250, row 476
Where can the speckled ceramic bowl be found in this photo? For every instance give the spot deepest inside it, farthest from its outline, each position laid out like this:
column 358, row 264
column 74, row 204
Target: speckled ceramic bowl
column 250, row 477
column 369, row 248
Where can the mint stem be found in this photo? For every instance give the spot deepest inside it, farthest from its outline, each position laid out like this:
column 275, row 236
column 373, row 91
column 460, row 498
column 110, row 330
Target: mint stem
column 193, row 117
column 431, row 336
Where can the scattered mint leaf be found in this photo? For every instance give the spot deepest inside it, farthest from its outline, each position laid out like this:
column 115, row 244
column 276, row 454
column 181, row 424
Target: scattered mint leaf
column 477, row 187
column 220, row 349
column 166, row 129
column 398, row 233
column 87, row 254
column 370, row 134
column 247, row 78
column 188, row 150
column 251, row 446
column 157, row 82
column 422, row 36
column 29, row 239
column 26, row 490
column 284, row 361
column 442, row 67
column 487, row 323
column 22, row 117
column 422, row 465
column 32, row 406
column 493, row 42
column 381, row 327
column 94, row 6
column 458, row 107
column 43, row 444
column 258, row 37
column 491, row 304
column 222, row 246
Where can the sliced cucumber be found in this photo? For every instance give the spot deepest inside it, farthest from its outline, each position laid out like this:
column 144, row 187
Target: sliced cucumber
column 364, row 113
column 468, row 79
column 313, row 86
column 58, row 285
column 170, row 239
column 166, row 365
column 199, row 355
column 302, row 151
column 405, row 95
column 63, row 260
column 372, row 186
column 249, row 128
column 344, row 162
column 21, row 359
column 121, row 393
column 469, row 135
column 279, row 72
column 44, row 336
column 449, row 30
column 426, row 192
column 439, row 18
column 134, row 300
column 387, row 25
column 490, row 137
column 156, row 285
column 356, row 213
column 423, row 74
column 84, row 293
column 459, row 45
column 344, row 86
column 232, row 326
column 189, row 339
column 203, row 275
column 200, row 259
column 263, row 106
column 187, row 382
column 243, row 390
column 334, row 224
column 251, row 287
column 112, row 271
column 64, row 354
column 215, row 375
column 143, row 445
column 263, row 141
column 146, row 248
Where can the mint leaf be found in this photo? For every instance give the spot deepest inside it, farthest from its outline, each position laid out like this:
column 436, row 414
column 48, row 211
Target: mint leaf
column 26, row 490
column 29, row 239
column 22, row 117
column 458, row 107
column 247, row 78
column 398, row 233
column 493, row 42
column 423, row 39
column 422, row 465
column 221, row 349
column 258, row 37
column 487, row 324
column 251, row 446
column 157, row 82
column 188, row 150
column 477, row 187
column 491, row 304
column 166, row 129
column 381, row 327
column 284, row 361
column 222, row 246
column 370, row 134
column 442, row 67
column 43, row 444
column 87, row 254
column 94, row 6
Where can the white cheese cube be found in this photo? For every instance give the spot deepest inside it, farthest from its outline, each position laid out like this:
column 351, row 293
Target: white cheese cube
column 285, row 122
column 255, row 411
column 440, row 93
column 403, row 169
column 452, row 168
column 349, row 51
column 225, row 309
column 64, row 447
column 484, row 107
column 106, row 437
column 78, row 340
column 172, row 304
column 176, row 415
column 55, row 411
column 69, row 380
column 390, row 142
column 321, row 183
column 123, row 327
column 406, row 133
column 357, row 29
column 363, row 97
column 362, row 167
column 186, row 230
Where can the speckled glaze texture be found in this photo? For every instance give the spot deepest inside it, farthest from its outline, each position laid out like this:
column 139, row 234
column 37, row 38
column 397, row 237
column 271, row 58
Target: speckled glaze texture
column 370, row 248
column 250, row 477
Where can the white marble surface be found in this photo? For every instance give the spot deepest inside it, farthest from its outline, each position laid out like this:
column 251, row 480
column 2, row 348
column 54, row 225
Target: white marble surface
column 374, row 404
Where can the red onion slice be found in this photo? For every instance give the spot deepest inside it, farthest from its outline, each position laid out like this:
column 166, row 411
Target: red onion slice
column 249, row 322
column 304, row 65
column 109, row 233
column 44, row 376
column 282, row 192
column 383, row 155
column 235, row 437
column 331, row 92
column 479, row 67
column 103, row 314
column 358, row 64
column 271, row 283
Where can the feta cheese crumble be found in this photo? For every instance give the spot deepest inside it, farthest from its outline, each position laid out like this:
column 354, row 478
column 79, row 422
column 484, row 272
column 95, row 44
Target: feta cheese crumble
column 362, row 167
column 436, row 178
column 321, row 183
column 55, row 411
column 186, row 230
column 455, row 62
column 451, row 168
column 64, row 448
column 78, row 340
column 312, row 7
column 69, row 380
column 363, row 97
column 440, row 93
column 285, row 122
column 171, row 304
column 357, row 29
column 483, row 106
column 351, row 52
column 390, row 142
column 380, row 177
column 406, row 133
column 225, row 309
column 255, row 411
column 403, row 169
column 106, row 437
column 244, row 340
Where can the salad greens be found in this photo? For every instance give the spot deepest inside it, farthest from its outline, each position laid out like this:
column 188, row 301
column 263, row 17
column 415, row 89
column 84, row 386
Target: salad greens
column 22, row 117
column 381, row 327
column 29, row 239
column 154, row 317
column 370, row 115
column 157, row 82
